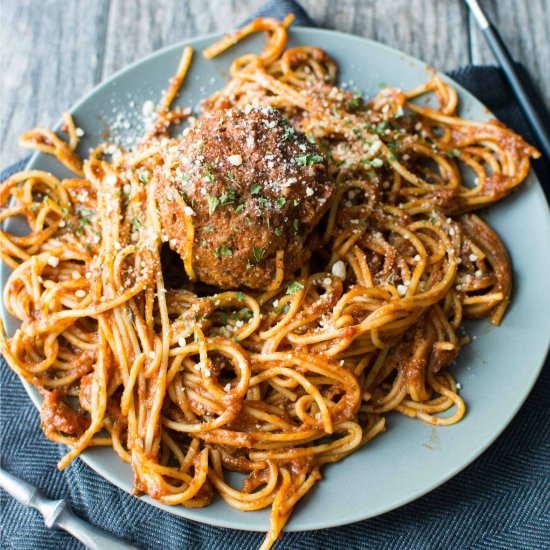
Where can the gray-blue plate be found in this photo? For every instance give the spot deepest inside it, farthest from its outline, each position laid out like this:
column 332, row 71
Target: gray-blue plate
column 496, row 371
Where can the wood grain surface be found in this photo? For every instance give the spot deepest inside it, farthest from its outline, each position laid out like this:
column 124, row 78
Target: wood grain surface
column 54, row 51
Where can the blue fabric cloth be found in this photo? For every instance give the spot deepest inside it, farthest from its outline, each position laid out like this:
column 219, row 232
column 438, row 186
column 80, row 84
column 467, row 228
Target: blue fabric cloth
column 502, row 500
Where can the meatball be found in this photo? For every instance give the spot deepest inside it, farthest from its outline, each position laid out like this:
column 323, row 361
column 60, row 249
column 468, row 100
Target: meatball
column 252, row 186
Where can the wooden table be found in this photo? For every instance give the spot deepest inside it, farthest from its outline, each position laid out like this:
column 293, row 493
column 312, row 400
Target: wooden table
column 54, row 51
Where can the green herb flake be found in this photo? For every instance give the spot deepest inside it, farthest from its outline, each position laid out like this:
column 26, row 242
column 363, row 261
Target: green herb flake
column 226, row 251
column 294, row 287
column 289, row 133
column 225, row 199
column 255, row 189
column 231, row 178
column 258, row 253
column 208, row 177
column 309, row 159
column 262, row 202
column 213, row 203
column 144, row 178
column 381, row 127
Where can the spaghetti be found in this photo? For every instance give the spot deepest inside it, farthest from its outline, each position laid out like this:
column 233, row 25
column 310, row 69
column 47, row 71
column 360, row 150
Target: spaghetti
column 186, row 383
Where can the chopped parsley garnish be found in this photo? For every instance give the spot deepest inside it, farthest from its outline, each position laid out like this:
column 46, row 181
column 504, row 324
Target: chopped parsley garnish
column 262, row 202
column 294, row 287
column 239, row 208
column 229, row 197
column 356, row 103
column 376, row 163
column 144, row 178
column 258, row 253
column 240, row 296
column 289, row 133
column 84, row 216
column 84, row 212
column 208, row 228
column 245, row 314
column 453, row 153
column 134, row 221
column 281, row 202
column 35, row 207
column 309, row 159
column 278, row 232
column 223, row 249
column 255, row 189
column 310, row 138
column 213, row 203
column 399, row 112
column 208, row 176
column 231, row 178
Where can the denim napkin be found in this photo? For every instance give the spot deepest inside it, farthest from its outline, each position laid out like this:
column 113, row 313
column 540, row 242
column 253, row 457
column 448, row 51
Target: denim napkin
column 502, row 500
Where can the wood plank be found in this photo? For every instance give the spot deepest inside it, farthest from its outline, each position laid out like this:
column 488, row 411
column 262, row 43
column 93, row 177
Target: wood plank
column 432, row 30
column 524, row 27
column 51, row 56
column 140, row 27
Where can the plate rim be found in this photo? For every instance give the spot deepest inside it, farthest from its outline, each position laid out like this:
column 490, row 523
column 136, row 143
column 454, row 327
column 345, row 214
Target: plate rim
column 217, row 521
